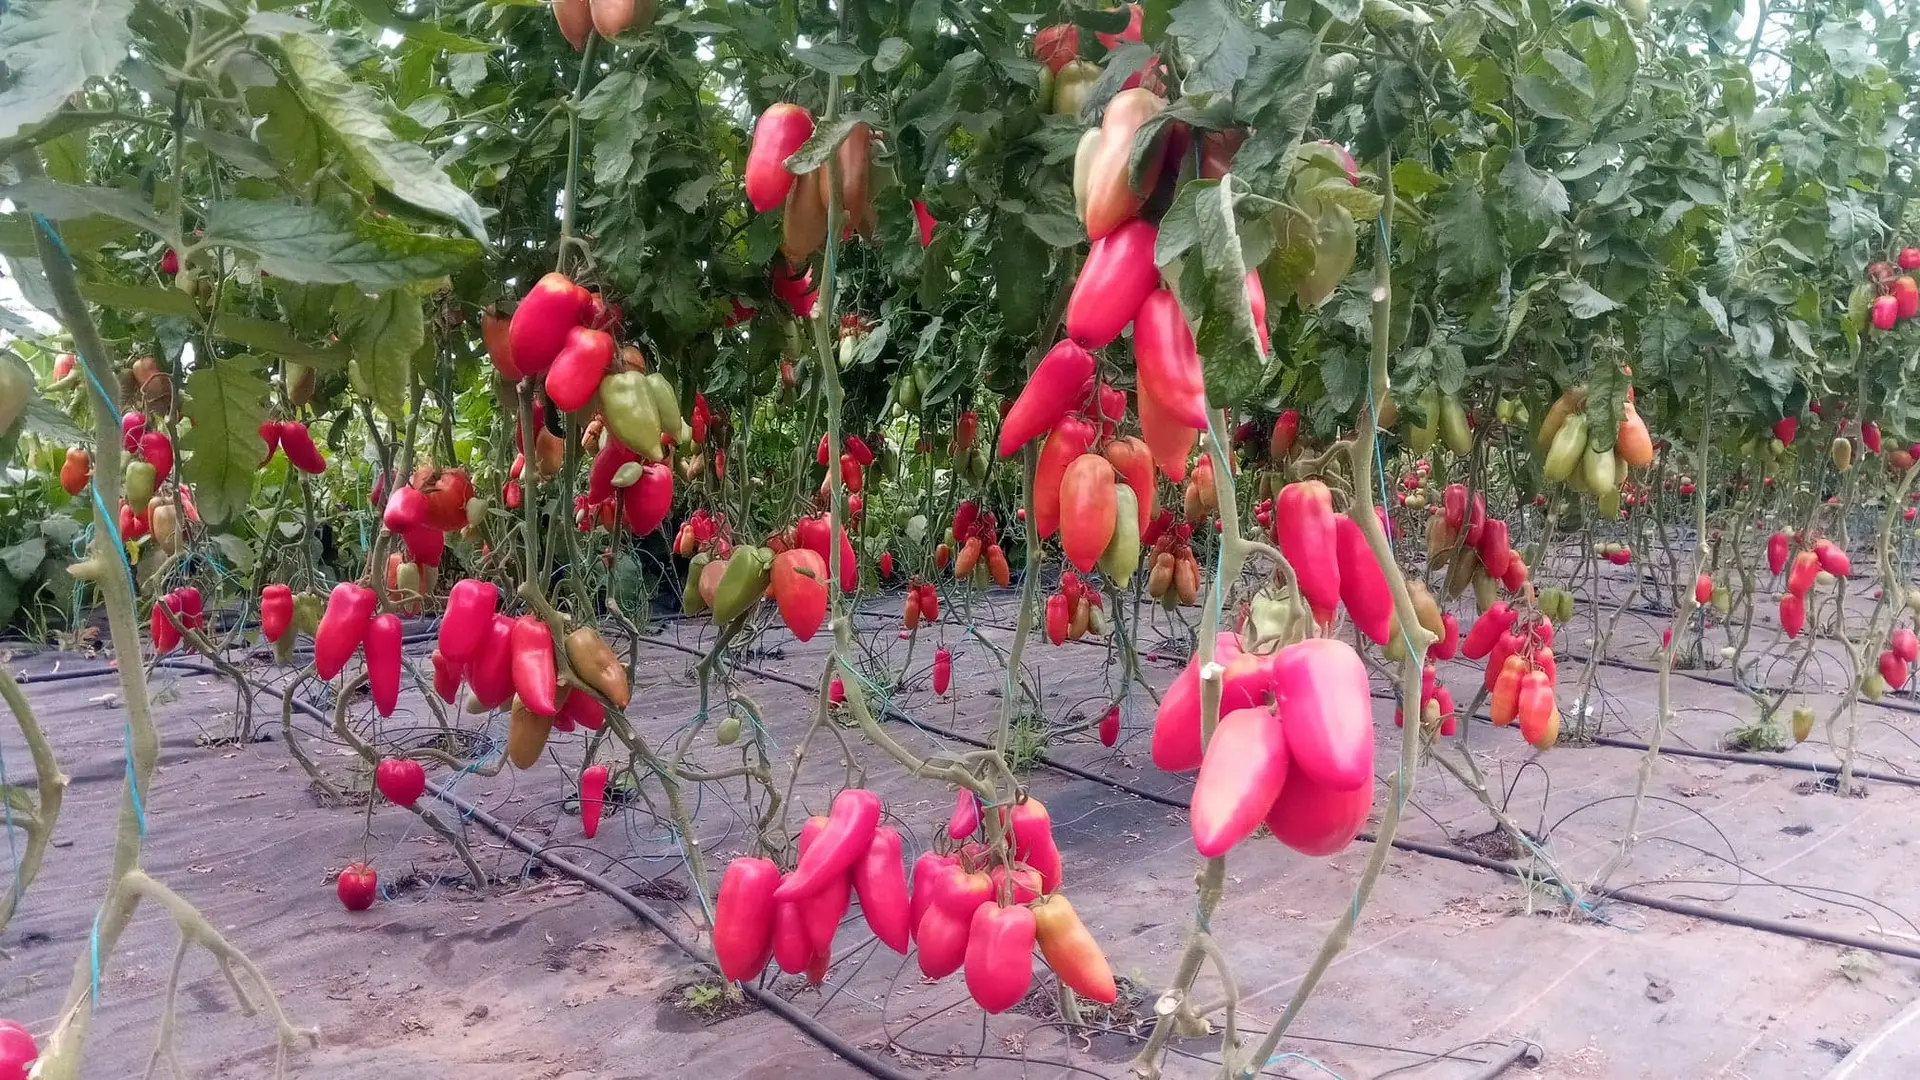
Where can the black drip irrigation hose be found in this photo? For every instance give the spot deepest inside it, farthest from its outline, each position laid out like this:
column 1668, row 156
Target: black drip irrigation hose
column 766, row 999
column 1626, row 896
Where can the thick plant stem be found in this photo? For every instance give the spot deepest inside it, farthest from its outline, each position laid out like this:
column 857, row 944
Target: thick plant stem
column 106, row 566
column 1682, row 612
column 1361, row 456
column 52, row 785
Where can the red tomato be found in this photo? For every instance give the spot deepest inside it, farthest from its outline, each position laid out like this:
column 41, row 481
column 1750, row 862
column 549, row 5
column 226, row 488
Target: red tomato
column 400, row 780
column 357, row 887
column 999, row 956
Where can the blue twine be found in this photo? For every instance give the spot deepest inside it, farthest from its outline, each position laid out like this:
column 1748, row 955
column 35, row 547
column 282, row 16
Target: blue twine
column 6, row 805
column 101, row 516
column 1278, row 1058
column 133, row 788
column 93, row 952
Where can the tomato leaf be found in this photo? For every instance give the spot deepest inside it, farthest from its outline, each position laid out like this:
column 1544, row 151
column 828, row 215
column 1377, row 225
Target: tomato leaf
column 824, row 141
column 53, row 47
column 153, row 300
column 350, row 113
column 1606, row 403
column 1584, row 301
column 1229, row 348
column 1535, row 194
column 275, row 339
column 323, row 245
column 833, row 58
column 226, row 400
column 64, row 202
column 1215, row 41
column 385, row 337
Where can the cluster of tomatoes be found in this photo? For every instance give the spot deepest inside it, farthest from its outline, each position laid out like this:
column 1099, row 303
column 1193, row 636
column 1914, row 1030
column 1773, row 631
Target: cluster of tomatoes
column 977, row 532
column 1898, row 294
column 1521, row 670
column 1824, row 556
column 1073, row 610
column 979, row 908
column 704, row 530
column 1614, row 552
column 1173, row 576
column 186, row 607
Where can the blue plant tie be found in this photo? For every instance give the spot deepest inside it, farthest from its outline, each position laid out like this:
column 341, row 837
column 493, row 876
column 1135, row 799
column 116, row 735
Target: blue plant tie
column 1278, row 1058
column 6, row 806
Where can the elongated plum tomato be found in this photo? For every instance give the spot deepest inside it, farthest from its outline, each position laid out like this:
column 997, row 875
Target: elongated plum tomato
column 880, row 881
column 1111, row 197
column 776, row 135
column 1316, row 820
column 846, row 837
column 1166, row 361
column 541, row 322
column 1071, row 437
column 1363, row 585
column 383, row 649
column 800, row 589
column 999, row 957
column 1240, row 776
column 942, row 670
column 1118, row 275
column 1070, row 950
column 342, row 628
column 743, row 918
column 1303, row 524
column 1053, row 390
column 1321, row 686
column 17, row 1051
column 576, row 372
column 1086, row 510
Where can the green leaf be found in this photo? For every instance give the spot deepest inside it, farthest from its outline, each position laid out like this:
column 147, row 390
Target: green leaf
column 1019, row 277
column 276, row 340
column 322, row 245
column 1056, row 229
column 1584, row 301
column 1556, row 85
column 1848, row 48
column 245, row 155
column 385, row 337
column 889, row 55
column 226, row 400
column 23, row 558
column 1215, row 41
column 52, row 48
column 1465, row 236
column 1358, row 202
column 1715, row 310
column 1226, row 339
column 1606, row 403
column 82, row 236
column 1345, row 11
column 1180, row 228
column 824, row 141
column 64, row 202
column 1536, row 195
column 1386, row 15
column 833, row 58
column 50, row 422
column 350, row 113
column 152, row 299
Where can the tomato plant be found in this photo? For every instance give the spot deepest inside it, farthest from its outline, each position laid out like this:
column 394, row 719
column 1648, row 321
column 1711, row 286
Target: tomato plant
column 1407, row 315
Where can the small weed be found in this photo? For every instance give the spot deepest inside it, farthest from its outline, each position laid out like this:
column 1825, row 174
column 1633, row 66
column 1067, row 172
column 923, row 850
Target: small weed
column 701, row 997
column 1027, row 741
